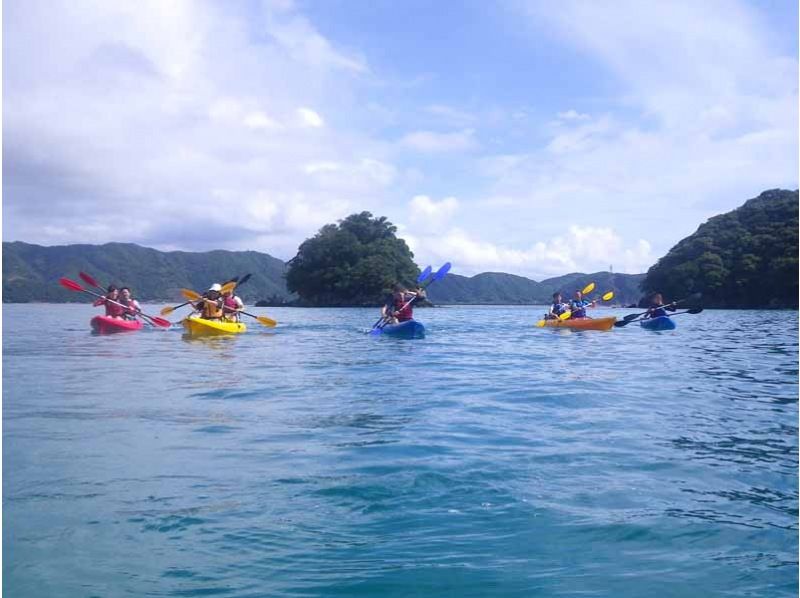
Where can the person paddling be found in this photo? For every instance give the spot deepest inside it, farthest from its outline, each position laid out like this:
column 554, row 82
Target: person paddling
column 210, row 306
column 557, row 308
column 233, row 305
column 578, row 306
column 656, row 309
column 110, row 300
column 132, row 307
column 399, row 306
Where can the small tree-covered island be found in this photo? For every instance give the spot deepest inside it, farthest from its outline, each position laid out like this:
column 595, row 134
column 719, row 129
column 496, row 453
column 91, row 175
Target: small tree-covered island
column 352, row 263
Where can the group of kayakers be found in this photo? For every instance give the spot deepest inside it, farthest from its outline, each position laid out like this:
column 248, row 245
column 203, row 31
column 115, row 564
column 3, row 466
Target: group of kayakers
column 578, row 304
column 217, row 303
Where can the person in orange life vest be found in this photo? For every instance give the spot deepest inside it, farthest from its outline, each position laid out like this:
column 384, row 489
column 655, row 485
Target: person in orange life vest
column 113, row 310
column 399, row 306
column 233, row 305
column 132, row 306
column 210, row 306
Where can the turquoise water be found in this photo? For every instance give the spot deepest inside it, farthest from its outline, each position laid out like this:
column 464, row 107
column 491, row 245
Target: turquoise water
column 490, row 459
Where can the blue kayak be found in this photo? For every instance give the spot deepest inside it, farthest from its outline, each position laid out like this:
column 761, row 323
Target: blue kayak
column 407, row 329
column 659, row 323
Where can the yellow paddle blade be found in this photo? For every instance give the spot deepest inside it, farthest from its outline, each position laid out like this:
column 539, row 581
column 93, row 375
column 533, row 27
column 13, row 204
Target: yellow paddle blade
column 228, row 287
column 565, row 316
column 267, row 321
column 167, row 310
column 540, row 323
column 608, row 296
column 191, row 295
column 588, row 289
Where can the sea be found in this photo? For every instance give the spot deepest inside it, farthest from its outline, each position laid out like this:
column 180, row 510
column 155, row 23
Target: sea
column 491, row 458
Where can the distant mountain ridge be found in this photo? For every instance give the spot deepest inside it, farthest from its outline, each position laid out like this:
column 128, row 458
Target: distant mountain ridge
column 31, row 273
column 495, row 288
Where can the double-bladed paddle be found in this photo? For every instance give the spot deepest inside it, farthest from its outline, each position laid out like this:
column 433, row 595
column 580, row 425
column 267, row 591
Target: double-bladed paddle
column 194, row 296
column 633, row 317
column 74, row 286
column 440, row 273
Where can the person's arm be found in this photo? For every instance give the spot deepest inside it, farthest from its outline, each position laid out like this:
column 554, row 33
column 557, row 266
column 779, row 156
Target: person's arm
column 100, row 301
column 239, row 303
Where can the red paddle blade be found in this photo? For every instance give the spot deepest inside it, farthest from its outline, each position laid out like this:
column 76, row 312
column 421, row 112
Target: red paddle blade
column 161, row 322
column 70, row 284
column 88, row 279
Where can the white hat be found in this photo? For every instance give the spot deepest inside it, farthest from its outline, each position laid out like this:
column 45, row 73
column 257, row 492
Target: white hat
column 216, row 287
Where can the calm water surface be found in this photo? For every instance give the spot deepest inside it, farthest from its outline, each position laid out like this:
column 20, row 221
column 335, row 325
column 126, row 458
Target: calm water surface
column 491, row 458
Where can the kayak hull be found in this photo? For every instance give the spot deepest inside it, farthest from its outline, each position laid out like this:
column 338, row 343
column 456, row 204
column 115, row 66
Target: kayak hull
column 582, row 323
column 201, row 327
column 407, row 329
column 108, row 325
column 659, row 323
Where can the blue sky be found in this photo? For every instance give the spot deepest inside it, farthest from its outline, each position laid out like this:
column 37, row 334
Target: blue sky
column 536, row 138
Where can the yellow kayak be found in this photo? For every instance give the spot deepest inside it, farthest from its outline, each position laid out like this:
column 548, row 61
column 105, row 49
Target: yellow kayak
column 200, row 327
column 582, row 323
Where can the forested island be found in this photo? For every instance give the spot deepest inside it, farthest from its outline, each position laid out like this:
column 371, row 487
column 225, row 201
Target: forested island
column 746, row 258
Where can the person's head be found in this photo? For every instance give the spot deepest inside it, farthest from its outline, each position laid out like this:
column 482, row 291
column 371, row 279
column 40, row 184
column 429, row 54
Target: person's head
column 578, row 295
column 657, row 299
column 125, row 292
column 556, row 297
column 111, row 291
column 214, row 291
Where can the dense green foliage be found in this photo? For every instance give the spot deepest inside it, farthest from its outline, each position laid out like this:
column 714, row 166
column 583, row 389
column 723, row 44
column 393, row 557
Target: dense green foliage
column 31, row 272
column 494, row 288
column 354, row 262
column 746, row 258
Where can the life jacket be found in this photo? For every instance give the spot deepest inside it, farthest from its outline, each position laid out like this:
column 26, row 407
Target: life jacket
column 402, row 311
column 657, row 311
column 231, row 303
column 558, row 308
column 129, row 313
column 578, row 308
column 112, row 309
column 211, row 310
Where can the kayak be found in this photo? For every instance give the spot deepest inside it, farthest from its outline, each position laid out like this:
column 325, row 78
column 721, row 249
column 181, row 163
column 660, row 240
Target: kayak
column 200, row 327
column 407, row 329
column 108, row 325
column 582, row 323
column 659, row 323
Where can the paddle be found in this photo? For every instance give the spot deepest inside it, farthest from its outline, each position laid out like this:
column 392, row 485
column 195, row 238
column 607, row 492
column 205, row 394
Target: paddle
column 226, row 288
column 74, row 286
column 440, row 273
column 632, row 317
column 193, row 296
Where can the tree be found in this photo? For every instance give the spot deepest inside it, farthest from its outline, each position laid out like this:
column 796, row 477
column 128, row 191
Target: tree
column 352, row 263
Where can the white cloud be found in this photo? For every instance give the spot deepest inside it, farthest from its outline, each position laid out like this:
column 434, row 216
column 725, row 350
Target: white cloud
column 572, row 115
column 432, row 142
column 580, row 249
column 310, row 118
column 431, row 214
column 259, row 120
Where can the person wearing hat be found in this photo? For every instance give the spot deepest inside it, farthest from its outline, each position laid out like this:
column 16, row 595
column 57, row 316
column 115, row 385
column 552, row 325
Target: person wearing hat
column 211, row 305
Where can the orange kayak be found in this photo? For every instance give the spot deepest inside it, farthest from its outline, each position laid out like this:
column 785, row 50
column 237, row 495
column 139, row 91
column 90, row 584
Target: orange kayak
column 582, row 323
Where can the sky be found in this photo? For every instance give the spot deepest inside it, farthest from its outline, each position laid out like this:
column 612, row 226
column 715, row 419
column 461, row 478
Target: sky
column 535, row 138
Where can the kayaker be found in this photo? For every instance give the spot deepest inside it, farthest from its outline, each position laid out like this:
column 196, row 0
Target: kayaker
column 132, row 306
column 210, row 306
column 111, row 302
column 558, row 307
column 233, row 305
column 399, row 306
column 656, row 309
column 578, row 306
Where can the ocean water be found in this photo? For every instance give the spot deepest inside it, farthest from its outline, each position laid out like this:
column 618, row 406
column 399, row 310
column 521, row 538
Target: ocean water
column 491, row 458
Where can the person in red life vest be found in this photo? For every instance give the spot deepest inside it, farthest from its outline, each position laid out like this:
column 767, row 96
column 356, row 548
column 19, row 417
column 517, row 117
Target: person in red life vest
column 232, row 305
column 210, row 306
column 132, row 307
column 399, row 306
column 111, row 301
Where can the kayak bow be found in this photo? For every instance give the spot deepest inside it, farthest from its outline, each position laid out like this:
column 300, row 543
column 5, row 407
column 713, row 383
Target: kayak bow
column 201, row 327
column 582, row 323
column 108, row 325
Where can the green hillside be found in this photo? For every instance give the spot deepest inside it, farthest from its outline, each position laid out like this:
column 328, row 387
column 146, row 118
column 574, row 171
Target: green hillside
column 31, row 272
column 746, row 258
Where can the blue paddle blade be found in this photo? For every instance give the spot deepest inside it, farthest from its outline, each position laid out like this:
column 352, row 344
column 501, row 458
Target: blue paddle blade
column 442, row 272
column 425, row 273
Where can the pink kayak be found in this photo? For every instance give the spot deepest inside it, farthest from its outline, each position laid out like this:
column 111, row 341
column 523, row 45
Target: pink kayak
column 107, row 325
